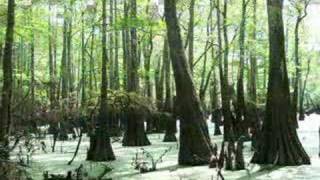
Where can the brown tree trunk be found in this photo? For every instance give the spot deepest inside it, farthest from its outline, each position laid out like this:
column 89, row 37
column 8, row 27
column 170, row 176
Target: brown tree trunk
column 116, row 52
column 100, row 145
column 191, row 34
column 83, row 64
column 5, row 111
column 195, row 146
column 135, row 133
column 241, row 128
column 297, row 93
column 171, row 126
column 223, row 73
column 301, row 102
column 278, row 142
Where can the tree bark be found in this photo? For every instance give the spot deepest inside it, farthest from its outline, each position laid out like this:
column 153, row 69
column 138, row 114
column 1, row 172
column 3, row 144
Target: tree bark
column 83, row 64
column 223, row 72
column 116, row 52
column 195, row 146
column 5, row 111
column 100, row 145
column 278, row 142
column 191, row 34
column 241, row 127
column 171, row 126
column 134, row 133
column 297, row 85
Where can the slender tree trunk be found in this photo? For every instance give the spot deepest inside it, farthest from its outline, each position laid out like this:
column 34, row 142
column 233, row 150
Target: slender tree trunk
column 135, row 133
column 252, row 84
column 253, row 59
column 170, row 121
column 92, row 76
column 223, row 72
column 5, row 113
column 278, row 142
column 51, row 65
column 64, row 64
column 159, row 79
column 241, row 111
column 116, row 52
column 32, row 78
column 301, row 102
column 111, row 47
column 195, row 146
column 83, row 64
column 125, row 46
column 297, row 93
column 191, row 34
column 100, row 145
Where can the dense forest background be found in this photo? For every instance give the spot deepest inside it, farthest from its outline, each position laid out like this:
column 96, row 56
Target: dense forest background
column 122, row 70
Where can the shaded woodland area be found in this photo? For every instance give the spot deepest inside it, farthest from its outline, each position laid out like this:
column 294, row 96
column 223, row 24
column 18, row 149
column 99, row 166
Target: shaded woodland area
column 220, row 84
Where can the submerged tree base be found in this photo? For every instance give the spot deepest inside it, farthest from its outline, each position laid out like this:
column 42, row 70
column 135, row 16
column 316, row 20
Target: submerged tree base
column 195, row 148
column 100, row 148
column 135, row 134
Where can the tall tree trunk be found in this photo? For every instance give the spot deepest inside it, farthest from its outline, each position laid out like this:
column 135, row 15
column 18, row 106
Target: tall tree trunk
column 111, row 47
column 195, row 146
column 241, row 111
column 116, row 52
column 70, row 68
column 171, row 127
column 83, row 64
column 278, row 142
column 223, row 72
column 135, row 133
column 252, row 84
column 5, row 113
column 301, row 109
column 100, row 145
column 125, row 45
column 297, row 94
column 191, row 34
column 64, row 64
column 51, row 65
column 32, row 78
column 92, row 77
column 253, row 59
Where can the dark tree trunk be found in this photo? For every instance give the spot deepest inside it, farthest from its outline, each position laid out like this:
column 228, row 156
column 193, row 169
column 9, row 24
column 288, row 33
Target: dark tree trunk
column 223, row 73
column 239, row 159
column 100, row 145
column 301, row 102
column 116, row 52
column 83, row 64
column 52, row 90
column 278, row 142
column 195, row 146
column 241, row 128
column 111, row 47
column 297, row 85
column 191, row 34
column 159, row 82
column 253, row 59
column 134, row 133
column 64, row 64
column 5, row 111
column 126, row 46
column 32, row 58
column 252, row 84
column 171, row 126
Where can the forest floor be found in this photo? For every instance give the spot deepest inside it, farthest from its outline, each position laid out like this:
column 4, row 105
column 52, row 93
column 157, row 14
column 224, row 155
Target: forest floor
column 168, row 169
